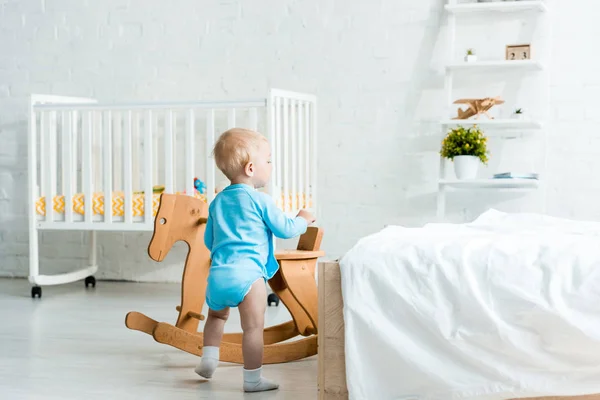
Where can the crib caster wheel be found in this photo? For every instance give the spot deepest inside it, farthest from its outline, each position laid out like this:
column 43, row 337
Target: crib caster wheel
column 36, row 291
column 90, row 280
column 272, row 298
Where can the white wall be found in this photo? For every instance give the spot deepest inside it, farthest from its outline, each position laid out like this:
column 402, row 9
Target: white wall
column 375, row 65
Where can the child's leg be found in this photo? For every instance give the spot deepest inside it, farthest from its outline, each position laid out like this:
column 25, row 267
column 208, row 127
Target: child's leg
column 213, row 333
column 252, row 314
column 213, row 328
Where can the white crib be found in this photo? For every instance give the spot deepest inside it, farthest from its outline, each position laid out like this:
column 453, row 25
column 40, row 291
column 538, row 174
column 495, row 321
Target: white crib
column 118, row 154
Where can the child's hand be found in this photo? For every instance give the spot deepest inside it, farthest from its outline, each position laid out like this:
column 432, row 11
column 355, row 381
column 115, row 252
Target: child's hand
column 307, row 216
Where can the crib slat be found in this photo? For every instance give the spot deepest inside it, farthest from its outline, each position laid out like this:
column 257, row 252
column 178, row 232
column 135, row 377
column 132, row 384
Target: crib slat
column 51, row 166
column 97, row 135
column 189, row 154
column 108, row 184
column 271, row 114
column 86, row 142
column 136, row 145
column 169, row 152
column 43, row 159
column 293, row 140
column 312, row 151
column 155, row 147
column 277, row 146
column 67, row 163
column 127, row 179
column 306, row 152
column 75, row 153
column 231, row 118
column 253, row 119
column 118, row 151
column 148, row 172
column 301, row 156
column 286, row 146
column 210, row 163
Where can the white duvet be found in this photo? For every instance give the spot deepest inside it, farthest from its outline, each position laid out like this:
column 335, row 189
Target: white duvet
column 507, row 306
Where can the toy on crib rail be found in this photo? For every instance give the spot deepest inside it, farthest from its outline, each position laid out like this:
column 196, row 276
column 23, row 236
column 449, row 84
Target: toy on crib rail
column 184, row 218
column 199, row 185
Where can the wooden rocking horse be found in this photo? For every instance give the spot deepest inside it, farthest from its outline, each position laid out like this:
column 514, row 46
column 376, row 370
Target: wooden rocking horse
column 183, row 218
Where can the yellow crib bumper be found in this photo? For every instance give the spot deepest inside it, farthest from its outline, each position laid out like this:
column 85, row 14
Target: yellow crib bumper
column 118, row 204
column 138, row 200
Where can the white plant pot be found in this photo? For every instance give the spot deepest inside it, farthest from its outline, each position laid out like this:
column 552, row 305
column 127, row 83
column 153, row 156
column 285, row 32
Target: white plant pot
column 471, row 58
column 465, row 167
column 518, row 116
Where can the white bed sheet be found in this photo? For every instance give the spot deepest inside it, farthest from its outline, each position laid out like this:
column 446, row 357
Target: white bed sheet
column 507, row 306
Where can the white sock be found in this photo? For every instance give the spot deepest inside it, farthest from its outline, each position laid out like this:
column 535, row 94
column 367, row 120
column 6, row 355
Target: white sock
column 209, row 362
column 253, row 382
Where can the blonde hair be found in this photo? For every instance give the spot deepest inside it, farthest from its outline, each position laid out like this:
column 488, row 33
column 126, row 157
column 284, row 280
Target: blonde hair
column 234, row 149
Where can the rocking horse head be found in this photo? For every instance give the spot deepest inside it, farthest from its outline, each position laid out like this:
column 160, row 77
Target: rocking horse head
column 179, row 217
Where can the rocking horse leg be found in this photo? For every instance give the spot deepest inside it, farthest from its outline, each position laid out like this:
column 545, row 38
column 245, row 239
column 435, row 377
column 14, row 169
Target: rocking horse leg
column 299, row 277
column 295, row 284
column 298, row 314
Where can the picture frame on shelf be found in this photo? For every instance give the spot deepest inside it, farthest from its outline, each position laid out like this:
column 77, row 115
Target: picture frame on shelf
column 518, row 52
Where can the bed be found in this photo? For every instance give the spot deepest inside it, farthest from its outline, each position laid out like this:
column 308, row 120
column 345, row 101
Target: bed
column 101, row 166
column 505, row 307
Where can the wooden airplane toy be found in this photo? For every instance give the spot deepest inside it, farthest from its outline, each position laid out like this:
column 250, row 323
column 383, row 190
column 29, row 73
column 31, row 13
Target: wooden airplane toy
column 183, row 218
column 477, row 107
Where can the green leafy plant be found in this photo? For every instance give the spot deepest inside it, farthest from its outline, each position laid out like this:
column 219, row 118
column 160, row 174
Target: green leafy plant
column 462, row 141
column 519, row 111
column 470, row 52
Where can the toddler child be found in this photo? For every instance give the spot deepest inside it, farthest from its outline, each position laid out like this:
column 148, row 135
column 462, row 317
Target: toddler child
column 239, row 229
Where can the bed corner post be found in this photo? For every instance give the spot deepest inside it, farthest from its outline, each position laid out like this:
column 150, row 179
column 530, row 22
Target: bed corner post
column 331, row 380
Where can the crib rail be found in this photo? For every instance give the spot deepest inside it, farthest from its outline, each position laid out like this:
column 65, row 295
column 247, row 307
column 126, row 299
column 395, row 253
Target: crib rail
column 96, row 166
column 104, row 154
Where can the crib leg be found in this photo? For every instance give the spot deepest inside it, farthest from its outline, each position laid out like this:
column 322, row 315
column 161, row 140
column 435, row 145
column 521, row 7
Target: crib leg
column 93, row 258
column 34, row 261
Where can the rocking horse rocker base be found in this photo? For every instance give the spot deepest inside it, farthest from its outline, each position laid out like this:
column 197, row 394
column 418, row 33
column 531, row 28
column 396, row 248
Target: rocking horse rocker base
column 183, row 218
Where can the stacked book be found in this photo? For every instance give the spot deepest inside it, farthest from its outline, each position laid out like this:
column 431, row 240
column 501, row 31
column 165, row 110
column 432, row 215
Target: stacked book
column 516, row 175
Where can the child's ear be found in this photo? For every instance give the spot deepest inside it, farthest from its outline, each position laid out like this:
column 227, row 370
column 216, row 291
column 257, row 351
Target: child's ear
column 249, row 169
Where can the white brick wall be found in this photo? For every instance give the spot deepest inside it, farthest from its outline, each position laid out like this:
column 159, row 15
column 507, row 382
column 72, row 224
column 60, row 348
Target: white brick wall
column 375, row 65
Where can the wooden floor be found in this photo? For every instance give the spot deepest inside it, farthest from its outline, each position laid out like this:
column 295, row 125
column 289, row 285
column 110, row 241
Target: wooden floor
column 73, row 344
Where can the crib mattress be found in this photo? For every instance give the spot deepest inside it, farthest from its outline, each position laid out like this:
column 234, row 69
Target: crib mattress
column 138, row 200
column 118, row 204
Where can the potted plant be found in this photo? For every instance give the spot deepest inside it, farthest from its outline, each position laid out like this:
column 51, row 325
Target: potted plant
column 467, row 148
column 518, row 114
column 470, row 56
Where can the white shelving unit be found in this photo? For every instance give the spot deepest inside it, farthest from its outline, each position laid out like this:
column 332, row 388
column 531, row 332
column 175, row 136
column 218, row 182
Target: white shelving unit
column 494, row 123
column 497, row 128
column 483, row 184
column 482, row 66
column 498, row 6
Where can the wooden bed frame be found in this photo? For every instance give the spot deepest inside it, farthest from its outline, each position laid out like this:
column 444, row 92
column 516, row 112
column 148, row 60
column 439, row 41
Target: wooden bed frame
column 332, row 364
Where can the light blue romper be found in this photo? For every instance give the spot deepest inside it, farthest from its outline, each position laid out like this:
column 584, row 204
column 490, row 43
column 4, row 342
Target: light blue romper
column 239, row 234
